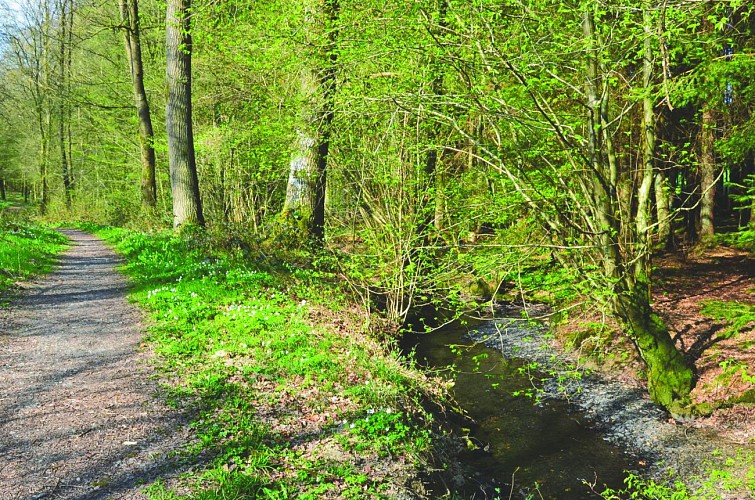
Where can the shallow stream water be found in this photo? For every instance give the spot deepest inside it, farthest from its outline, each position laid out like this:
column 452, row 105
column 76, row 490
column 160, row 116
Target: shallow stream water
column 521, row 449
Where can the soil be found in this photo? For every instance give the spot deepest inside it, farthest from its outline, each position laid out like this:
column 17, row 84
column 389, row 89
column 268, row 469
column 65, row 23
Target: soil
column 683, row 285
column 79, row 416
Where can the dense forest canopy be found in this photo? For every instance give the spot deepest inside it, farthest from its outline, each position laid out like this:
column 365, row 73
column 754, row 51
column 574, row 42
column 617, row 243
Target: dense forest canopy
column 426, row 140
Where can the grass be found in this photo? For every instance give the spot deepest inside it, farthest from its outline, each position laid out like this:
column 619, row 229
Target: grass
column 290, row 392
column 26, row 250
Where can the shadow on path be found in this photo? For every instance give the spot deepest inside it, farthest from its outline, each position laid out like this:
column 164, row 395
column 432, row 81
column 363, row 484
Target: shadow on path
column 79, row 416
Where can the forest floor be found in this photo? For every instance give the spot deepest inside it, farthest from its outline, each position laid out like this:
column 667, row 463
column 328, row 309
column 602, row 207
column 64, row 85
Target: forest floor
column 707, row 300
column 78, row 412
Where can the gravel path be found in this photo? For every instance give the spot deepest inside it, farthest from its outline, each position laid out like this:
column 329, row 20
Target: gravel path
column 78, row 413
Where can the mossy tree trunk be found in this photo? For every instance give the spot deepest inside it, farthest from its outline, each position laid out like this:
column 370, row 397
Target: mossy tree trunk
column 670, row 378
column 625, row 239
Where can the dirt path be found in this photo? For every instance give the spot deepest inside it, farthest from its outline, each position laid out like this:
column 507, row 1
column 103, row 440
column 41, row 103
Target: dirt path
column 78, row 417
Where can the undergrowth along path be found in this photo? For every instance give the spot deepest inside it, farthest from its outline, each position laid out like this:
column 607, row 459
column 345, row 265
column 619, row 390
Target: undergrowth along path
column 78, row 416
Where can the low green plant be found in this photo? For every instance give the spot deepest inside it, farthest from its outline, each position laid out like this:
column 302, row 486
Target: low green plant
column 744, row 239
column 735, row 315
column 26, row 249
column 385, row 431
column 234, row 333
column 726, row 477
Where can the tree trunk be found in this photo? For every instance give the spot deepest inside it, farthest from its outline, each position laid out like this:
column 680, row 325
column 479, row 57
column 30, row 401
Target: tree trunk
column 663, row 209
column 132, row 38
column 305, row 192
column 707, row 174
column 64, row 13
column 670, row 379
column 648, row 147
column 187, row 205
column 751, row 190
column 2, row 190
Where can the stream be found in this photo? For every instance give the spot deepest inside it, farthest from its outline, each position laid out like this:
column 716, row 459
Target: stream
column 517, row 447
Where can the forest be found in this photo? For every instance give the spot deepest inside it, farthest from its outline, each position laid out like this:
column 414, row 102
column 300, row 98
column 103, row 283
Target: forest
column 398, row 166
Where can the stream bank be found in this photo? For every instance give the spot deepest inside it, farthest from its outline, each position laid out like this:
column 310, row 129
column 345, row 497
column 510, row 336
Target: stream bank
column 640, row 437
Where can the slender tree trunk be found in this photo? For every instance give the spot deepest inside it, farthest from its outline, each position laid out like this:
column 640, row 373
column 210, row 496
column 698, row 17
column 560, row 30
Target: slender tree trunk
column 187, row 205
column 69, row 112
column 305, row 192
column 604, row 180
column 62, row 98
column 131, row 30
column 663, row 209
column 431, row 203
column 707, row 174
column 2, row 190
column 648, row 150
column 751, row 210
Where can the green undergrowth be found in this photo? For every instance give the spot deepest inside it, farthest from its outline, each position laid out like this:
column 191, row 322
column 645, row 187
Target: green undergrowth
column 726, row 477
column 736, row 316
column 26, row 249
column 292, row 398
column 744, row 239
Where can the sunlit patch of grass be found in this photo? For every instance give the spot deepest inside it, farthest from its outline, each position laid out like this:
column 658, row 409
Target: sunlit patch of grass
column 26, row 250
column 284, row 402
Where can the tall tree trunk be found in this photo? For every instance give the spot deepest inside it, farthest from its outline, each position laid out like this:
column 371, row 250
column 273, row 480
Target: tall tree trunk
column 431, row 201
column 43, row 122
column 670, row 379
column 305, row 192
column 751, row 210
column 2, row 190
column 69, row 111
column 187, row 205
column 63, row 114
column 648, row 149
column 707, row 174
column 132, row 38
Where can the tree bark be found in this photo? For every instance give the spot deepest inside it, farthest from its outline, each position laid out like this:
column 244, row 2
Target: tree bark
column 670, row 378
column 187, row 205
column 707, row 174
column 304, row 207
column 65, row 11
column 131, row 32
column 663, row 209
